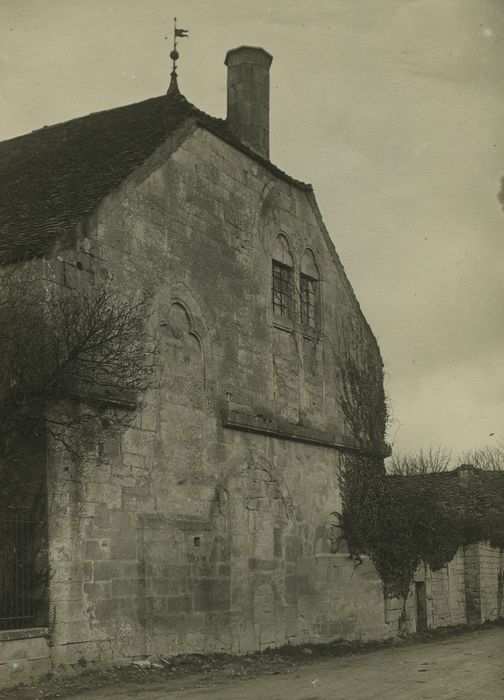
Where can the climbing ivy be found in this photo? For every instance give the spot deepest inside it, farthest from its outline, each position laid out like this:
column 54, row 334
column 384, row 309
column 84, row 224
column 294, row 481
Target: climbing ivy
column 401, row 522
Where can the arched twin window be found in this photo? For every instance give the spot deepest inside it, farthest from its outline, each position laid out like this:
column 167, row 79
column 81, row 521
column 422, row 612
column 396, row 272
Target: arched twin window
column 309, row 291
column 283, row 278
column 284, row 287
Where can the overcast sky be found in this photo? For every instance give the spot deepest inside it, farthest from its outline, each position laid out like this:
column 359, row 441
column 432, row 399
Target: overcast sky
column 392, row 109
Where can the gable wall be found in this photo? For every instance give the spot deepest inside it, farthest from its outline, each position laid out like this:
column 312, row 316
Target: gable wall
column 187, row 536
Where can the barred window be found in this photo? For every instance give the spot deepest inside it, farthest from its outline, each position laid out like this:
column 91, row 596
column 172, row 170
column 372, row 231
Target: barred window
column 282, row 289
column 308, row 289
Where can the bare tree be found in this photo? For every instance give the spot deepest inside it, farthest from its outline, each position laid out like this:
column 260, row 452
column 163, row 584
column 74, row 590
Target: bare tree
column 488, row 458
column 433, row 460
column 70, row 361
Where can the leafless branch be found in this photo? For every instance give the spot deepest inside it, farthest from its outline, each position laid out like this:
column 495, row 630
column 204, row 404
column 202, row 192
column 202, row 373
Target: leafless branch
column 66, row 358
column 433, row 460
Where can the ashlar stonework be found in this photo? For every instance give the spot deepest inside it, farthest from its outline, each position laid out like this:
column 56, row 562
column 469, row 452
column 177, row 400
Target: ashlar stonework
column 206, row 528
column 209, row 524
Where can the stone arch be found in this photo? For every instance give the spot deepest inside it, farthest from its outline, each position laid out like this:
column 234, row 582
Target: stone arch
column 309, row 263
column 327, row 538
column 243, row 460
column 179, row 293
column 183, row 379
column 259, row 520
column 184, row 365
column 282, row 250
column 266, row 216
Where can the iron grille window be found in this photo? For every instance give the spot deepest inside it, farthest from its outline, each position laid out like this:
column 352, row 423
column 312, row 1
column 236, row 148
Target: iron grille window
column 22, row 587
column 282, row 289
column 308, row 301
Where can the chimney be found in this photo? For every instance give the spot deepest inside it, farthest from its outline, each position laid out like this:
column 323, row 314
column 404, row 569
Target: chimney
column 248, row 96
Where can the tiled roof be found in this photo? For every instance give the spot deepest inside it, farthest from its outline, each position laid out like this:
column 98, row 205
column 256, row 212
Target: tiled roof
column 468, row 491
column 54, row 176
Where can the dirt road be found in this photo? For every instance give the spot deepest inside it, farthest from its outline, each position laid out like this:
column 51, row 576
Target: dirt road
column 460, row 668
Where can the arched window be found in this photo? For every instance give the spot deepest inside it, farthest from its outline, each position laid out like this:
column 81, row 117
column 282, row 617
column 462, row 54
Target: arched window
column 282, row 279
column 309, row 291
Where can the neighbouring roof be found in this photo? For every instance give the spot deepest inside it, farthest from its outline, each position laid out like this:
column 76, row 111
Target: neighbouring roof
column 51, row 178
column 466, row 492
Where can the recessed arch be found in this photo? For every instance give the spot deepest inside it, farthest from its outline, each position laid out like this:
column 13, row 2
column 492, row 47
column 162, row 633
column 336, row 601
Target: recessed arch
column 182, row 367
column 309, row 265
column 282, row 281
column 282, row 251
column 240, row 463
column 309, row 290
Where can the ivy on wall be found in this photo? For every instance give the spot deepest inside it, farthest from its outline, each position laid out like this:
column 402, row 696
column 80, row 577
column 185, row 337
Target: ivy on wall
column 401, row 522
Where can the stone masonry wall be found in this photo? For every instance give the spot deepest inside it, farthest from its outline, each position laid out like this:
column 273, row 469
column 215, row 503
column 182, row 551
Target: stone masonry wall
column 25, row 656
column 446, row 595
column 185, row 535
column 468, row 590
column 491, row 566
column 472, row 584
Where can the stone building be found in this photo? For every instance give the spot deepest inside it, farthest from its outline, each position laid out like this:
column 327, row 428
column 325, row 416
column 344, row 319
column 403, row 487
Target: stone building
column 209, row 525
column 464, row 504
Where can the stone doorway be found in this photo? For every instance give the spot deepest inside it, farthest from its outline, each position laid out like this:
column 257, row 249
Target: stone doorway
column 257, row 522
column 421, row 606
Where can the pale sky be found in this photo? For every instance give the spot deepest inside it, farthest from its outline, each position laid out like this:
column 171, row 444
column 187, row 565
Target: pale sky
column 392, row 109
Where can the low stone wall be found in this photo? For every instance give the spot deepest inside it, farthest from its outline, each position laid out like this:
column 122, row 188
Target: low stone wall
column 446, row 593
column 491, row 567
column 24, row 656
column 339, row 600
column 468, row 590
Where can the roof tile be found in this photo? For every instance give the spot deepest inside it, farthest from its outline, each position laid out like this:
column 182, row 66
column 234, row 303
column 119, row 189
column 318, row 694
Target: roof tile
column 53, row 177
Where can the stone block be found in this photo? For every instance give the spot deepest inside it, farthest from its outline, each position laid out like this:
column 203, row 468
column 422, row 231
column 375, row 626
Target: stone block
column 78, row 654
column 278, row 543
column 211, row 595
column 25, row 671
column 68, row 631
column 98, row 590
column 195, row 642
column 74, row 573
column 164, row 586
column 193, row 525
column 66, row 590
column 23, row 649
column 106, row 569
column 149, row 418
column 255, row 564
column 97, row 549
column 133, row 569
column 291, row 590
column 129, row 588
column 293, row 548
column 180, row 604
column 122, row 547
column 73, row 610
column 203, row 569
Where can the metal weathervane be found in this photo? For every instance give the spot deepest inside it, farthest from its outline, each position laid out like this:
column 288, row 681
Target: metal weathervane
column 177, row 34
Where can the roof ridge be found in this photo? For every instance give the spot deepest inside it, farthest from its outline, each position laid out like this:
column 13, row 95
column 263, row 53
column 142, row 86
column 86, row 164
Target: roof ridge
column 53, row 176
column 100, row 112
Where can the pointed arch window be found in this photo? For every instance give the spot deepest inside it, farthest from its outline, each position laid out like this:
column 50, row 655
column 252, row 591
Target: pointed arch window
column 282, row 279
column 309, row 291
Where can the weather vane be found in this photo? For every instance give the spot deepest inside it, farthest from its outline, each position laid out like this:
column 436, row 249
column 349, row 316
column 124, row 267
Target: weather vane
column 174, row 55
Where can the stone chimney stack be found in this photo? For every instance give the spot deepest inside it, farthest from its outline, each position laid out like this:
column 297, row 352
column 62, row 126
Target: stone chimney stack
column 248, row 97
